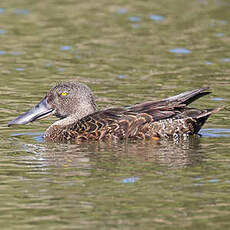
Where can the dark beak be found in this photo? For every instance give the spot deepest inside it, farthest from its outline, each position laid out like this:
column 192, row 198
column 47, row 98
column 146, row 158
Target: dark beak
column 39, row 111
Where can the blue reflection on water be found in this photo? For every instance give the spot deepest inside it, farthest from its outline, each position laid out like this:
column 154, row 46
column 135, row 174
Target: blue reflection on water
column 218, row 22
column 36, row 135
column 16, row 52
column 2, row 10
column 225, row 60
column 21, row 11
column 3, row 31
column 64, row 48
column 130, row 180
column 156, row 17
column 61, row 69
column 39, row 138
column 134, row 19
column 220, row 34
column 214, row 180
column 122, row 11
column 215, row 132
column 122, row 76
column 26, row 134
column 208, row 63
column 2, row 52
column 20, row 69
column 180, row 51
column 217, row 99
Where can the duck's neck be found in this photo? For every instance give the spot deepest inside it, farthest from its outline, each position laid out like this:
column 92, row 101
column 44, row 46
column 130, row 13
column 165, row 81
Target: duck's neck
column 79, row 114
column 66, row 121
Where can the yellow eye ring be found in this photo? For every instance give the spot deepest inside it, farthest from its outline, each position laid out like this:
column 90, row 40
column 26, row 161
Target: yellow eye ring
column 64, row 94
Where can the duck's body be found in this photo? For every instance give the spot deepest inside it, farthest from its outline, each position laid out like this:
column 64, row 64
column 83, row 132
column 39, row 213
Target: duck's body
column 74, row 103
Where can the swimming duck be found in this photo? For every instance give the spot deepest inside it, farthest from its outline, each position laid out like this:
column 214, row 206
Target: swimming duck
column 73, row 103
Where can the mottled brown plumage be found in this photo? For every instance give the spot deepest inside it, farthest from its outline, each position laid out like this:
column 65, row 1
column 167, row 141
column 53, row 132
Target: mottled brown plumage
column 74, row 103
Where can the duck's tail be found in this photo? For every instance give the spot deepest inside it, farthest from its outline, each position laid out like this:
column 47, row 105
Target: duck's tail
column 201, row 118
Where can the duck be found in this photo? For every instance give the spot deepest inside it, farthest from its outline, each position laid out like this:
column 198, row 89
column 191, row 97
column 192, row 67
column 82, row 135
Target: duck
column 73, row 103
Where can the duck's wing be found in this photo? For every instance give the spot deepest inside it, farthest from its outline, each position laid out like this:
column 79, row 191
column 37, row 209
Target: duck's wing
column 182, row 99
column 114, row 123
column 99, row 125
column 126, row 122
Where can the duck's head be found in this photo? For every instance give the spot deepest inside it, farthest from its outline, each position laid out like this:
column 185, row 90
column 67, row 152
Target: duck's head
column 63, row 100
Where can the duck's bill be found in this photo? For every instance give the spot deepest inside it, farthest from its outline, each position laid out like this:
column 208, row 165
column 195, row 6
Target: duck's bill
column 39, row 111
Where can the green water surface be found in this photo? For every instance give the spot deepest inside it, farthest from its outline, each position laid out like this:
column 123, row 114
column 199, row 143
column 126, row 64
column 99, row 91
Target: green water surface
column 127, row 51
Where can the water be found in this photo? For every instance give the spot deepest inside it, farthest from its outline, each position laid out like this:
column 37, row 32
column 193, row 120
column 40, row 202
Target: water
column 122, row 51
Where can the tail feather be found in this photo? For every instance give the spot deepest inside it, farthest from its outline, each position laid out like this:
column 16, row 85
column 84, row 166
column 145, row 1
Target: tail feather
column 180, row 100
column 201, row 119
column 189, row 96
column 208, row 112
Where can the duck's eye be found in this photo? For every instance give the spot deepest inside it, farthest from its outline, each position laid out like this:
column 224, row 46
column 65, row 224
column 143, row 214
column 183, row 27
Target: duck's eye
column 64, row 94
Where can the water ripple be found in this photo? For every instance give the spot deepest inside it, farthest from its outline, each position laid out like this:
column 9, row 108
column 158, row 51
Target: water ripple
column 136, row 26
column 20, row 69
column 218, row 22
column 214, row 180
column 156, row 17
column 180, row 51
column 130, row 180
column 64, row 48
column 219, row 34
column 61, row 69
column 3, row 31
column 16, row 52
column 2, row 52
column 122, row 76
column 225, row 60
column 217, row 99
column 122, row 11
column 21, row 11
column 215, row 132
column 134, row 19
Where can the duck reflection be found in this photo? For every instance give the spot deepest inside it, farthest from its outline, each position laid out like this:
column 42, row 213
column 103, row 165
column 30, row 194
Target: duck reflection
column 170, row 153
